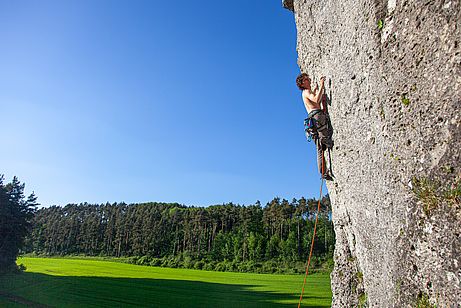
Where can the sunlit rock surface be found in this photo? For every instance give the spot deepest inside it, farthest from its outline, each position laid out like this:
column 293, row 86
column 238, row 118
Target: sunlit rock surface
column 393, row 73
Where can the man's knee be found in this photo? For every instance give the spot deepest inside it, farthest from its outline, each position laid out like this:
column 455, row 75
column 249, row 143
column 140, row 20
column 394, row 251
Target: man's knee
column 327, row 143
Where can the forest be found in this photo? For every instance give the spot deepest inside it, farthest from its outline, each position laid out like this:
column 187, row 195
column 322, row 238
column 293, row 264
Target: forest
column 264, row 239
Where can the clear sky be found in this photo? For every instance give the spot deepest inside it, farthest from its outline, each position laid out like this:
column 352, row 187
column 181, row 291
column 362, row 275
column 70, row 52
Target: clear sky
column 174, row 101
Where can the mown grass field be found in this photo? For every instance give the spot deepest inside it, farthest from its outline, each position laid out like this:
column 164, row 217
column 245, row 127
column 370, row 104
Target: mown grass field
column 91, row 283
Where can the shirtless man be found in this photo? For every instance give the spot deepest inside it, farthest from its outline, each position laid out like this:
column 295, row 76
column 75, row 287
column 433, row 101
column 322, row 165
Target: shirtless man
column 312, row 101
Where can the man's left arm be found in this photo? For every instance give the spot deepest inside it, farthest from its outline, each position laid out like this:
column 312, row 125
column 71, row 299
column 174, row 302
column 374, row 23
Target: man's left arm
column 319, row 95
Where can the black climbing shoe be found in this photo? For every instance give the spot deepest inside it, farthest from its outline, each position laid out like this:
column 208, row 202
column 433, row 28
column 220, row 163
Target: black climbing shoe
column 327, row 177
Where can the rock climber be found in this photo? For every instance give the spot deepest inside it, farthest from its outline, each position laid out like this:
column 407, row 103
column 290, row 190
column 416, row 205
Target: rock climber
column 323, row 137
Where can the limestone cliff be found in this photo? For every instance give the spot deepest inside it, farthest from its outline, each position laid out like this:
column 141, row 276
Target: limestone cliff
column 393, row 73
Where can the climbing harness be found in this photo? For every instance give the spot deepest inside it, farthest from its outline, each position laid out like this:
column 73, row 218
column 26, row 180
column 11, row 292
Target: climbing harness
column 310, row 126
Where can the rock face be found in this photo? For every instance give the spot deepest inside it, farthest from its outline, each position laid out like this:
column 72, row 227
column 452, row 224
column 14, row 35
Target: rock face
column 393, row 73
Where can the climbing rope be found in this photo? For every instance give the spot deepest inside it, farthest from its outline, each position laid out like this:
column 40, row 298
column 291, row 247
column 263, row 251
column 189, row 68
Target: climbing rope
column 315, row 230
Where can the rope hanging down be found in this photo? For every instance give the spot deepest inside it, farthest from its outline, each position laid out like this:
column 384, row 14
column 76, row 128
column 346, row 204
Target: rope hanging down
column 313, row 237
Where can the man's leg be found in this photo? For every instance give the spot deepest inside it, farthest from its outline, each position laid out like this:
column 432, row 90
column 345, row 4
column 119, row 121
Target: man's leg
column 325, row 142
column 320, row 157
column 321, row 162
column 324, row 129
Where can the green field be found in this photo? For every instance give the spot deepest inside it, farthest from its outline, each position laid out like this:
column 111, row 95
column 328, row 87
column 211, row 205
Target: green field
column 92, row 283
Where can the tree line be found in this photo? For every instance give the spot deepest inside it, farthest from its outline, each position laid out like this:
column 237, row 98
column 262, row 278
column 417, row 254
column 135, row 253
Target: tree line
column 16, row 213
column 228, row 237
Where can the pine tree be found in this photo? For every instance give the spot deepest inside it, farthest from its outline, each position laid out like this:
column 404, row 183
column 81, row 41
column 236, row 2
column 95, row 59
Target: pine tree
column 16, row 213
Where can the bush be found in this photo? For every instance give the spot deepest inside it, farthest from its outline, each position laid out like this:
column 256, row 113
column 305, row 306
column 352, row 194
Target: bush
column 258, row 268
column 164, row 262
column 269, row 267
column 144, row 260
column 242, row 267
column 156, row 262
column 199, row 265
column 132, row 260
column 173, row 262
column 328, row 264
column 299, row 267
column 210, row 266
column 188, row 262
column 232, row 266
column 220, row 267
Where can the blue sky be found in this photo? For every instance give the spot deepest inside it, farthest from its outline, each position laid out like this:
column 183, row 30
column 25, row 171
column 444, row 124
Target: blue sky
column 192, row 102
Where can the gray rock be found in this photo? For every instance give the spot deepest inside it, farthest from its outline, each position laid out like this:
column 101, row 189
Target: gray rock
column 394, row 80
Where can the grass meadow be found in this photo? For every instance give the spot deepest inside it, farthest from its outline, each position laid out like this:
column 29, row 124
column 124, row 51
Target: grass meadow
column 62, row 282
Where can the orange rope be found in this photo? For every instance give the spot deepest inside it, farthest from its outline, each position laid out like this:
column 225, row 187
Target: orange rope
column 315, row 229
